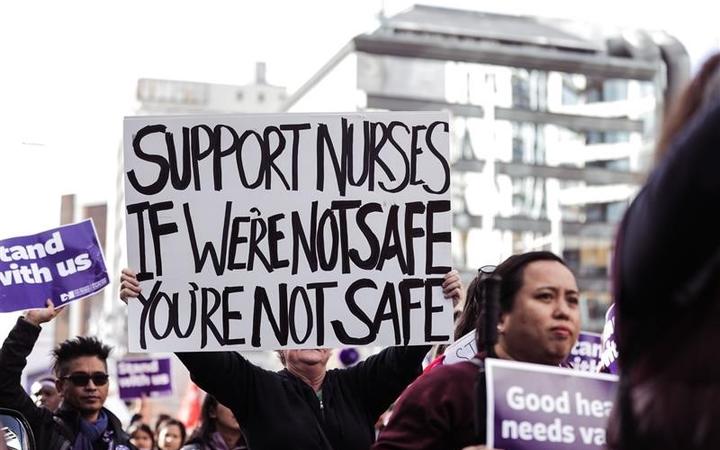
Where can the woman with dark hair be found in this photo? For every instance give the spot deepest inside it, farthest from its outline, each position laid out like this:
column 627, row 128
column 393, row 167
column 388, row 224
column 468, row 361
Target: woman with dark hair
column 171, row 435
column 538, row 321
column 666, row 285
column 218, row 430
column 141, row 436
column 465, row 321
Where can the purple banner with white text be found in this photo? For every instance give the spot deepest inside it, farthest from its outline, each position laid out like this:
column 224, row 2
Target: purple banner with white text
column 536, row 407
column 148, row 377
column 586, row 353
column 609, row 356
column 63, row 264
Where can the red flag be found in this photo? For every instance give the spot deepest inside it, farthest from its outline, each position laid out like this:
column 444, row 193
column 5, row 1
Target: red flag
column 189, row 413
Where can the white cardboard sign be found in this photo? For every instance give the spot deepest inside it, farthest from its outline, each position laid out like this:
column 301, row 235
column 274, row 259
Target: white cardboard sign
column 288, row 231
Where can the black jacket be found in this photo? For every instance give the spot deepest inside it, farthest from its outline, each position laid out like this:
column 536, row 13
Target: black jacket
column 277, row 410
column 52, row 431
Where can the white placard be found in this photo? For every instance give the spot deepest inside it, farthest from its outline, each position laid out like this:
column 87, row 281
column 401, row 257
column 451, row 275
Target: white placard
column 288, row 231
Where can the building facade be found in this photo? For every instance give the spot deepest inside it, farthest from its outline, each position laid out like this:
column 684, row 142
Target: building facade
column 553, row 124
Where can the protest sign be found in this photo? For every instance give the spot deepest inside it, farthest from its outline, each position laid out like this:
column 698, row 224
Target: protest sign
column 149, row 377
column 288, row 231
column 609, row 356
column 64, row 264
column 536, row 407
column 585, row 355
column 464, row 349
column 31, row 376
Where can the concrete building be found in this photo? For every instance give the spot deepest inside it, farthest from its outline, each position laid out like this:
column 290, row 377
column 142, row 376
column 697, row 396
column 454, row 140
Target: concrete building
column 553, row 124
column 186, row 97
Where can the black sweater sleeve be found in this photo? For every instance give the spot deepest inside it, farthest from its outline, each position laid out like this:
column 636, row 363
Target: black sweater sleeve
column 381, row 378
column 13, row 358
column 670, row 232
column 227, row 376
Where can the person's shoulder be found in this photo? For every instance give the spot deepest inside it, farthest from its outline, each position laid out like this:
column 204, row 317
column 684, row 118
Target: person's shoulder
column 443, row 380
column 456, row 371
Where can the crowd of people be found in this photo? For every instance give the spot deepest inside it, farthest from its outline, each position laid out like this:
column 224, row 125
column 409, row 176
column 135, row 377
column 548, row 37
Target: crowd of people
column 665, row 280
column 217, row 430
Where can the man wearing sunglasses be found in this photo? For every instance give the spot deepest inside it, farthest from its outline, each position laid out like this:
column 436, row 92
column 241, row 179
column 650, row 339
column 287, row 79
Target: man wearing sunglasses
column 80, row 366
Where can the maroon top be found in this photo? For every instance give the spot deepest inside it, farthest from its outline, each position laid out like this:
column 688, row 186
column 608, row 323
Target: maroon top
column 435, row 412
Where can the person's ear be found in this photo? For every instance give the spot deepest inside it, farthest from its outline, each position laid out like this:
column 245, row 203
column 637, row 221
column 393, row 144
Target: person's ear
column 59, row 385
column 502, row 323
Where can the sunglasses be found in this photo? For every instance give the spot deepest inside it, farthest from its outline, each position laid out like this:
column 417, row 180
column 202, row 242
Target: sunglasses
column 82, row 379
column 486, row 271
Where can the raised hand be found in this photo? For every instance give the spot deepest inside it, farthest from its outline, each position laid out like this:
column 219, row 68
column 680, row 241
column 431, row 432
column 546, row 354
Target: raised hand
column 39, row 316
column 129, row 285
column 453, row 287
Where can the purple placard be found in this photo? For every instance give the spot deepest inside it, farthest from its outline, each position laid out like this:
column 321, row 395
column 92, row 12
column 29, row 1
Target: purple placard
column 536, row 407
column 608, row 359
column 36, row 375
column 147, row 377
column 585, row 355
column 63, row 264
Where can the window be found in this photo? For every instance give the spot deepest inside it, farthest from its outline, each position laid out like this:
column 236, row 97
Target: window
column 520, row 90
column 606, row 137
column 622, row 164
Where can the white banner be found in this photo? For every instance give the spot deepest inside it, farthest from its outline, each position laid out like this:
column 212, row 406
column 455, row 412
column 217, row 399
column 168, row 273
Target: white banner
column 288, row 231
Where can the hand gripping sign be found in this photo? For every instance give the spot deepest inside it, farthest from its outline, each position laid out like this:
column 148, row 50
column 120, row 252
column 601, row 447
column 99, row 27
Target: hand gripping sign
column 288, row 231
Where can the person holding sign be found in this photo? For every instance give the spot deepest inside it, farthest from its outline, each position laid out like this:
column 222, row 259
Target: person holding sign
column 666, row 280
column 80, row 365
column 305, row 406
column 538, row 322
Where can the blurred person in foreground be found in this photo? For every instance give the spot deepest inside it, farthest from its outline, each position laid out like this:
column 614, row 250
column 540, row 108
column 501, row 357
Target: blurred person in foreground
column 305, row 406
column 539, row 322
column 80, row 366
column 218, row 430
column 45, row 393
column 666, row 276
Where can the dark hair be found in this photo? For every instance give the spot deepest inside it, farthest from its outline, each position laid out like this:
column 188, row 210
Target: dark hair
column 161, row 419
column 138, row 426
column 470, row 312
column 75, row 348
column 202, row 434
column 688, row 103
column 511, row 274
column 170, row 422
